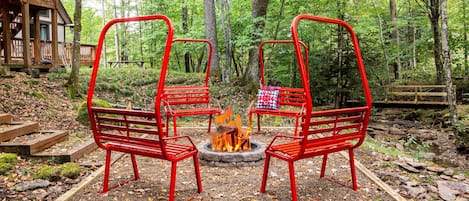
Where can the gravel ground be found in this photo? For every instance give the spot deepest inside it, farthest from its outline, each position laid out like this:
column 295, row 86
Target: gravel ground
column 232, row 183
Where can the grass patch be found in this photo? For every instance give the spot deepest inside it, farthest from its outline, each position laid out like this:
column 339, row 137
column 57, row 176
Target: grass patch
column 375, row 145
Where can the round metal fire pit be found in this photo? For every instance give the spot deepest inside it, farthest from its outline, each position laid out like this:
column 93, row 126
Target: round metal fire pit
column 253, row 157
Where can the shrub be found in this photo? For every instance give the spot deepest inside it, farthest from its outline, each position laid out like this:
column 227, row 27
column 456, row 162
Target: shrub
column 70, row 170
column 83, row 117
column 47, row 172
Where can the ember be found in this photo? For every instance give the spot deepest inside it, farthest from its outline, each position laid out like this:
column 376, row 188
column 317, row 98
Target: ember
column 229, row 136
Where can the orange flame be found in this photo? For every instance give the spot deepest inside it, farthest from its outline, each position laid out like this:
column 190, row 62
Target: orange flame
column 230, row 136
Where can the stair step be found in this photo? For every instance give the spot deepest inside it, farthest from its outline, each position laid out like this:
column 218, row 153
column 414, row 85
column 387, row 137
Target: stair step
column 70, row 150
column 33, row 142
column 5, row 118
column 15, row 129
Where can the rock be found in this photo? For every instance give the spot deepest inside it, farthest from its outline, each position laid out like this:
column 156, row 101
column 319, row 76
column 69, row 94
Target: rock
column 459, row 177
column 414, row 191
column 448, row 190
column 449, row 172
column 407, row 168
column 438, row 170
column 30, row 185
column 445, row 177
column 396, row 131
column 428, row 156
column 39, row 194
column 416, row 165
column 399, row 147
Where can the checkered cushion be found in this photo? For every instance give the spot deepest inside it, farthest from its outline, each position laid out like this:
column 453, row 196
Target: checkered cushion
column 267, row 98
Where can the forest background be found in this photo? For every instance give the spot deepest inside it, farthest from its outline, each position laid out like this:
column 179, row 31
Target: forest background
column 402, row 42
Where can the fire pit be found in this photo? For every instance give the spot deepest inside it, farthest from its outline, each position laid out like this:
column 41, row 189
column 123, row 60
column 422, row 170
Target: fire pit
column 253, row 157
column 230, row 145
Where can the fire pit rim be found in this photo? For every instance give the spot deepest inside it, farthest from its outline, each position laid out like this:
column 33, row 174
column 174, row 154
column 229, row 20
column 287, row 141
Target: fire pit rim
column 253, row 157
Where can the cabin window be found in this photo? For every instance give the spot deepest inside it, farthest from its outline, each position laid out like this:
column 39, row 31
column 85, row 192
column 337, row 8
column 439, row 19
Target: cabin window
column 44, row 32
column 44, row 13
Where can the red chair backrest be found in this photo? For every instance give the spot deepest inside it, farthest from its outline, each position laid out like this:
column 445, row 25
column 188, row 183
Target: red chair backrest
column 156, row 114
column 306, row 80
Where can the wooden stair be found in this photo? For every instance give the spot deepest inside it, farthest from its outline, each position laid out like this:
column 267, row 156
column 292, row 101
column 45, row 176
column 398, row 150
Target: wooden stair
column 25, row 138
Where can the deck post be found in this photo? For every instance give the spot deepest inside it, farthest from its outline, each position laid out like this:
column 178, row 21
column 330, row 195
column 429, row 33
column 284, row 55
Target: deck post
column 37, row 38
column 55, row 37
column 6, row 35
column 26, row 33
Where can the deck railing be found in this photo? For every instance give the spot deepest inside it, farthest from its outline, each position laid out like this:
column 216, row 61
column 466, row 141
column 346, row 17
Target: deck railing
column 87, row 53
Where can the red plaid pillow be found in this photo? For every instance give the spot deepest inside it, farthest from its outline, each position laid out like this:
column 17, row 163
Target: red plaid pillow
column 267, row 98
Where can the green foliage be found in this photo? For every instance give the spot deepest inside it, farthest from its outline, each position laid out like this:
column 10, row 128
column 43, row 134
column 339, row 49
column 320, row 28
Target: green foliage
column 7, row 161
column 47, row 172
column 83, row 117
column 70, row 170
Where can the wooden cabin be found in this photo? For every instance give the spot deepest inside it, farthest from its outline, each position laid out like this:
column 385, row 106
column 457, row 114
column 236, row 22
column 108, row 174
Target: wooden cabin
column 42, row 43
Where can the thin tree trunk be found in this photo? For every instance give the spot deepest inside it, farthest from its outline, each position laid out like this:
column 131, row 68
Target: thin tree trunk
column 447, row 65
column 466, row 48
column 433, row 11
column 116, row 33
column 103, row 23
column 381, row 40
column 277, row 27
column 185, row 30
column 211, row 33
column 340, row 41
column 226, row 28
column 395, row 38
column 72, row 84
column 258, row 12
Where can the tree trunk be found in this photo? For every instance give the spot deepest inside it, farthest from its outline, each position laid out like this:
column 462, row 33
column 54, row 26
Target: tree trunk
column 447, row 65
column 340, row 41
column 381, row 40
column 103, row 7
column 466, row 48
column 211, row 33
column 433, row 9
column 116, row 33
column 395, row 39
column 185, row 30
column 72, row 84
column 226, row 28
column 258, row 12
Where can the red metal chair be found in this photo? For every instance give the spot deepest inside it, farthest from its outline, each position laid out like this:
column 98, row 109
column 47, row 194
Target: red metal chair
column 322, row 132
column 182, row 101
column 138, row 132
column 291, row 100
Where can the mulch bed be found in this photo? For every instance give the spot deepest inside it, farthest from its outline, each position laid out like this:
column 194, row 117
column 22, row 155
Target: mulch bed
column 231, row 183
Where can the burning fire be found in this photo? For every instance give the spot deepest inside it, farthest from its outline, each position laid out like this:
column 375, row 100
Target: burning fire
column 230, row 136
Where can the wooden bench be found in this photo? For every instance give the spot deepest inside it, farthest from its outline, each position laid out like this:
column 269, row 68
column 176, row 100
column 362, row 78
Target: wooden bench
column 415, row 95
column 138, row 132
column 180, row 101
column 291, row 100
column 140, row 63
column 322, row 132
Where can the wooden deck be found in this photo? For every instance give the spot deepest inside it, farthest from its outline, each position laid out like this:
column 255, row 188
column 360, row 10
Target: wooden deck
column 414, row 96
column 87, row 55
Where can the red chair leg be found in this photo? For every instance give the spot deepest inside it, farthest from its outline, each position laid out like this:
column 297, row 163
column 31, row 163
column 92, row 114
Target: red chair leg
column 209, row 123
column 172, row 183
column 197, row 173
column 296, row 126
column 291, row 168
column 352, row 169
column 106, row 172
column 323, row 166
column 266, row 173
column 134, row 165
column 258, row 122
column 174, row 127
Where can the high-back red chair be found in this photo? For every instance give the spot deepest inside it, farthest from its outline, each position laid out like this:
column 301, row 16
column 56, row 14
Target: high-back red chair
column 322, row 132
column 180, row 101
column 291, row 101
column 138, row 132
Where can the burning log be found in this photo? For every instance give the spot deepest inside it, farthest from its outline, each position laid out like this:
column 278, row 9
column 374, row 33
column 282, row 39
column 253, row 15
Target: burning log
column 229, row 136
